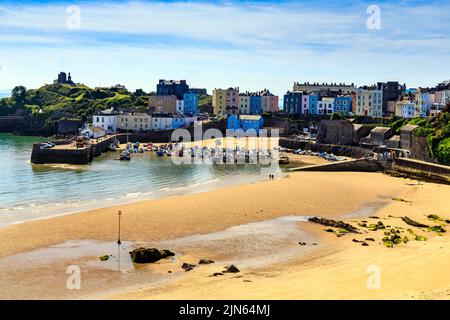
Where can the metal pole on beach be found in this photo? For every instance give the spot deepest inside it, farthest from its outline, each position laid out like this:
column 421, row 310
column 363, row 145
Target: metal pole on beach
column 118, row 242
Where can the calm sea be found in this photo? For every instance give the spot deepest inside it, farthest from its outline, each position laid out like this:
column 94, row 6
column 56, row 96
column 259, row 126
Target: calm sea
column 29, row 191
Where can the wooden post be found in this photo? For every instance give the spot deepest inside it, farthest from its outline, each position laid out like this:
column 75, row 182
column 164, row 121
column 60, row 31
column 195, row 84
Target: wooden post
column 118, row 242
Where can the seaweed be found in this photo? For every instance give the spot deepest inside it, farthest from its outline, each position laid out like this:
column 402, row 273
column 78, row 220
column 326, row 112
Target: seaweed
column 377, row 226
column 104, row 257
column 336, row 224
column 400, row 200
column 392, row 240
column 414, row 223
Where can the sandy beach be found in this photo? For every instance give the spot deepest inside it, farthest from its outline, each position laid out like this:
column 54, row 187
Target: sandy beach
column 256, row 227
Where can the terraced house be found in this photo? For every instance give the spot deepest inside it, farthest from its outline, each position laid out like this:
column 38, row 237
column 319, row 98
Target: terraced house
column 244, row 103
column 292, row 102
column 254, row 103
column 225, row 101
column 172, row 88
column 105, row 119
column 269, row 101
column 369, row 102
column 163, row 104
column 343, row 104
column 134, row 121
column 325, row 106
column 190, row 101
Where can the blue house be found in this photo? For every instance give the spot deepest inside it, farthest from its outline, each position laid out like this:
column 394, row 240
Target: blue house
column 245, row 122
column 255, row 104
column 190, row 103
column 178, row 121
column 255, row 122
column 312, row 104
column 233, row 122
column 292, row 102
column 342, row 105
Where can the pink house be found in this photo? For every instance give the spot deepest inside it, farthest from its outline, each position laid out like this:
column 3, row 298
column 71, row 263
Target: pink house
column 232, row 104
column 269, row 101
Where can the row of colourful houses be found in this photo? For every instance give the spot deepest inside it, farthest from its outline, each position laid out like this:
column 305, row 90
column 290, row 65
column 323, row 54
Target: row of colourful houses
column 363, row 101
column 112, row 121
column 175, row 96
column 171, row 104
column 230, row 101
column 423, row 102
column 382, row 99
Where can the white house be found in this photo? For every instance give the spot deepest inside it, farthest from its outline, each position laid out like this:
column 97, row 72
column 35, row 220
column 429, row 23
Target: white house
column 405, row 109
column 93, row 132
column 325, row 106
column 369, row 102
column 161, row 121
column 180, row 106
column 106, row 119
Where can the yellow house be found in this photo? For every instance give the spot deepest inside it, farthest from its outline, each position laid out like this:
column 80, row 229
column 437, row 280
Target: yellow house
column 225, row 102
column 219, row 101
column 134, row 121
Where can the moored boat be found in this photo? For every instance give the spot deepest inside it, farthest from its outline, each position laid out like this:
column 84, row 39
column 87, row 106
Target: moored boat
column 284, row 159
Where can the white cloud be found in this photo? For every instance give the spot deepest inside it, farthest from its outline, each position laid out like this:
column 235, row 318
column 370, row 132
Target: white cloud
column 250, row 45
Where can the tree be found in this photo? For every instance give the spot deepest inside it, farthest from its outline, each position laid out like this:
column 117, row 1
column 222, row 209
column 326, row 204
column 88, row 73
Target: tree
column 336, row 116
column 7, row 106
column 140, row 93
column 19, row 94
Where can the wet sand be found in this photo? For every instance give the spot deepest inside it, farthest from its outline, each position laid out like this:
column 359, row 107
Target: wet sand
column 257, row 227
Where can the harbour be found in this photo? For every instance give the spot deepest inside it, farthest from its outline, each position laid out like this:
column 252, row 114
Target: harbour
column 35, row 191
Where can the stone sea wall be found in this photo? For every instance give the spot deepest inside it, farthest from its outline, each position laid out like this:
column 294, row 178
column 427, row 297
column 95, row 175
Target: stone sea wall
column 69, row 155
column 339, row 150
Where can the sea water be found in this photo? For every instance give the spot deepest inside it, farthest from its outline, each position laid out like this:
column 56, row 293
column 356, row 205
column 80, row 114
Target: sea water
column 30, row 191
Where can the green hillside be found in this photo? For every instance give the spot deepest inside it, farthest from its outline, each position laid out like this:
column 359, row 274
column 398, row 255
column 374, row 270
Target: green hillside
column 435, row 130
column 79, row 100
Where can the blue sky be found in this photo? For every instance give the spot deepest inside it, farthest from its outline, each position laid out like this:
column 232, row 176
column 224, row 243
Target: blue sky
column 250, row 44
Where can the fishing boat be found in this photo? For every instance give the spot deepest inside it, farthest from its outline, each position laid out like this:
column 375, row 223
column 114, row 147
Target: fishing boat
column 160, row 152
column 124, row 156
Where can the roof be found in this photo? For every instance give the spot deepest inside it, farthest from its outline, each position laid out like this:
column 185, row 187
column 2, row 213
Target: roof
column 95, row 129
column 164, row 97
column 108, row 112
column 250, row 117
column 134, row 114
column 336, row 123
column 170, row 82
column 357, row 126
column 395, row 138
column 380, row 130
column 161, row 115
column 409, row 127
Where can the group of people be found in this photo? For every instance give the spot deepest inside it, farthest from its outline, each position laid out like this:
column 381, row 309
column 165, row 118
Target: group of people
column 271, row 176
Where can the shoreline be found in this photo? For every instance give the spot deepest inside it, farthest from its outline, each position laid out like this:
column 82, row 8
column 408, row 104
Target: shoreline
column 176, row 221
column 62, row 208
